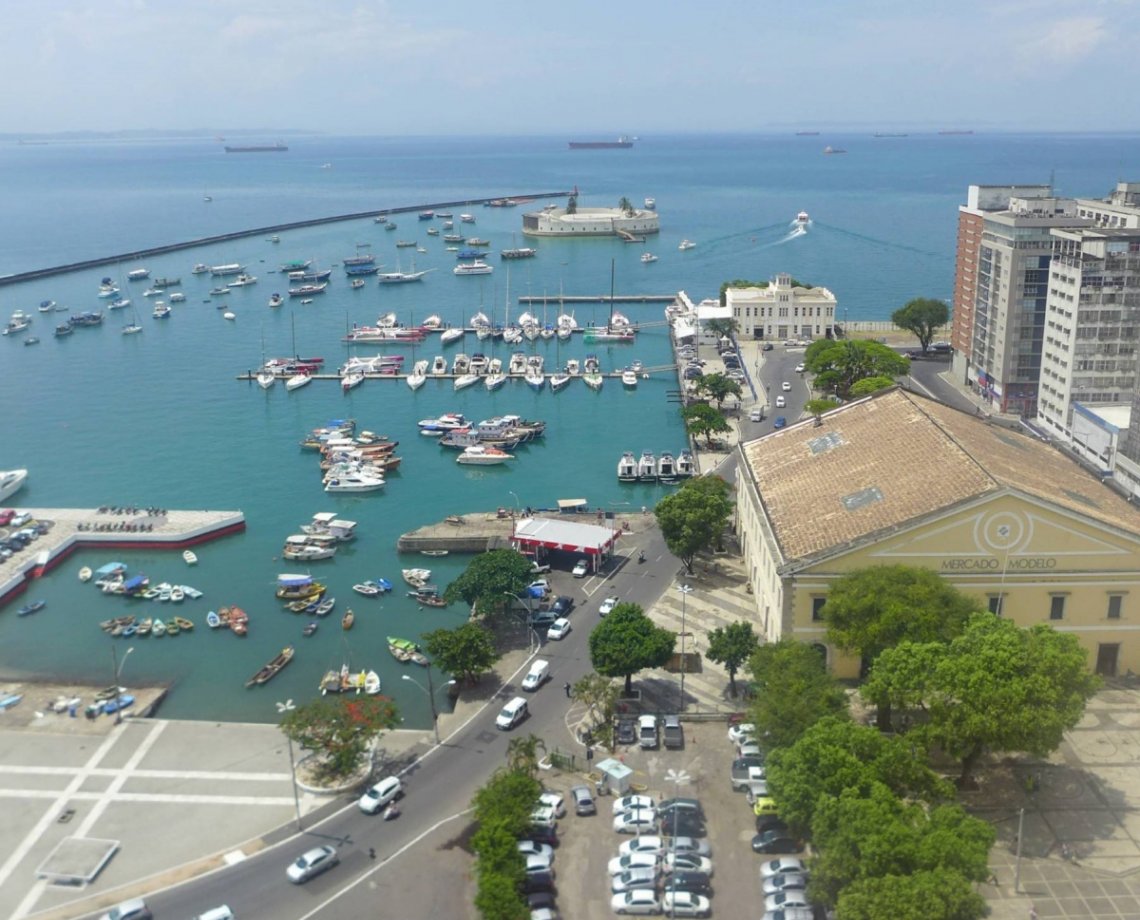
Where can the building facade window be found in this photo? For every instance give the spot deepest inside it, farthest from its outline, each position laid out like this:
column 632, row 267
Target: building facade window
column 817, row 608
column 1057, row 607
column 995, row 601
column 1115, row 601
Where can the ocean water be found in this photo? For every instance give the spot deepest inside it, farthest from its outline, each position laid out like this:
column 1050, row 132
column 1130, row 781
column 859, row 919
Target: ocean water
column 160, row 418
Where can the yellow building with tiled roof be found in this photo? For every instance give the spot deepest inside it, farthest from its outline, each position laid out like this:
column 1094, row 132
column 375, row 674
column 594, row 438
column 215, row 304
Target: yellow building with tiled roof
column 897, row 479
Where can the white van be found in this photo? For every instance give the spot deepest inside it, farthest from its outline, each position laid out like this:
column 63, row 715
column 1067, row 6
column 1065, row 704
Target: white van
column 513, row 713
column 538, row 674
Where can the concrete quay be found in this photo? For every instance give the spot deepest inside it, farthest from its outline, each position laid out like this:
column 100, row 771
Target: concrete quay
column 85, row 528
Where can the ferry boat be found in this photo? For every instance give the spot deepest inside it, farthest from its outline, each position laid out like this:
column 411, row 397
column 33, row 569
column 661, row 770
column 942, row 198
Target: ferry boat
column 230, row 268
column 622, row 143
column 477, row 267
column 522, row 252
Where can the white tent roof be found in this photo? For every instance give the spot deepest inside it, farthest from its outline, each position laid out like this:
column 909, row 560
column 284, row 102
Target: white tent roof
column 554, row 533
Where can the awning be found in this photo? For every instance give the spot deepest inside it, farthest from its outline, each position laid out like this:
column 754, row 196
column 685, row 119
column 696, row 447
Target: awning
column 111, row 568
column 559, row 533
column 571, row 505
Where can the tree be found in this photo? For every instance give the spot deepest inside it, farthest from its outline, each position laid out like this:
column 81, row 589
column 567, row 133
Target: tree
column 702, row 419
column 339, row 729
column 507, row 799
column 869, row 385
column 994, row 687
column 572, row 204
column 719, row 387
column 722, row 327
column 626, row 642
column 694, row 517
column 938, row 894
column 793, row 691
column 839, row 364
column 489, row 578
column 836, row 754
column 598, row 694
column 466, row 651
column 498, row 898
column 732, row 646
column 923, row 316
column 878, row 607
column 818, row 407
column 502, row 810
column 626, row 206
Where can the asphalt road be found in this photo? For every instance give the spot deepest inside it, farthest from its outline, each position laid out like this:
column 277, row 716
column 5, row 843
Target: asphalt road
column 438, row 789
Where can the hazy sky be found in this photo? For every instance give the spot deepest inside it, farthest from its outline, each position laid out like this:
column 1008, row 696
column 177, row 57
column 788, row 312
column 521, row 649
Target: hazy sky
column 543, row 67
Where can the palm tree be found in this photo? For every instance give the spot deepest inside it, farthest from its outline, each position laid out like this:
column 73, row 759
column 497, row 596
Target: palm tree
column 626, row 205
column 522, row 754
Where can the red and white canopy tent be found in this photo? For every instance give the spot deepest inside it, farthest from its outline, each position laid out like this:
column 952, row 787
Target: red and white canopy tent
column 590, row 540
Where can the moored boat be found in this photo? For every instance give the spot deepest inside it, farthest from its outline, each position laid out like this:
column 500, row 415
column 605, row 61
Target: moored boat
column 627, row 468
column 29, row 609
column 479, row 455
column 272, row 669
column 348, row 619
column 417, row 578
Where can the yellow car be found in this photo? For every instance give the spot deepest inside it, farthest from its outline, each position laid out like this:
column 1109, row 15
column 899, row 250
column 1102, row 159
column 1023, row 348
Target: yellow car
column 764, row 805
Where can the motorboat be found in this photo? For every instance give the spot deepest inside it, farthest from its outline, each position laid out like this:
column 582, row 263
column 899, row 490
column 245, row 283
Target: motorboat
column 802, row 218
column 465, row 380
column 438, row 366
column 418, row 377
column 200, row 269
column 11, row 481
column 354, row 482
column 573, row 367
column 353, row 378
column 666, row 467
column 495, row 380
column 298, row 380
column 417, row 578
column 122, row 303
column 647, row 467
column 593, row 380
column 450, row 335
column 480, row 455
column 46, row 306
column 686, row 465
column 298, row 549
column 686, row 244
column 243, row 280
column 17, row 325
column 650, row 203
column 161, row 310
column 477, row 267
column 467, row 218
column 535, row 379
column 627, row 468
column 559, row 381
column 176, row 297
column 275, row 300
column 229, row 315
column 629, row 378
column 437, row 426
column 516, row 367
column 647, row 257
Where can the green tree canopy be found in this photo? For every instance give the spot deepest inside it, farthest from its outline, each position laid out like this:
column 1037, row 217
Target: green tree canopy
column 938, row 894
column 839, row 364
column 502, row 810
column 875, row 608
column 626, row 206
column 836, row 754
column 721, row 327
column 599, row 695
column 719, row 387
column 923, row 316
column 693, row 518
column 340, row 729
column 522, row 754
column 488, row 578
column 732, row 646
column 465, row 651
column 627, row 641
column 793, row 691
column 818, row 407
column 994, row 687
column 869, row 385
column 507, row 799
column 702, row 419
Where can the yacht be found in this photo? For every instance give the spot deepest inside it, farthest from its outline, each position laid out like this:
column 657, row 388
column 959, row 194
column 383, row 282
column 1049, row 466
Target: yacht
column 686, row 244
column 276, row 300
column 448, row 336
column 650, row 203
column 463, row 381
column 666, row 467
column 354, row 482
column 298, row 380
column 439, row 366
column 647, row 467
column 573, row 368
column 517, row 364
column 686, row 466
column 629, row 378
column 461, row 364
column 648, row 257
column 266, row 378
column 802, row 218
column 477, row 267
column 243, row 280
column 160, row 311
column 437, row 426
column 418, row 377
column 479, row 455
column 11, row 481
column 495, row 380
column 559, row 381
column 627, row 468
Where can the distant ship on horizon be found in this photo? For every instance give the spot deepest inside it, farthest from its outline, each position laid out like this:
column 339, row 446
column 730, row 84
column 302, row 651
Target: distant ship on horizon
column 622, row 143
column 258, row 148
column 807, row 134
column 956, row 131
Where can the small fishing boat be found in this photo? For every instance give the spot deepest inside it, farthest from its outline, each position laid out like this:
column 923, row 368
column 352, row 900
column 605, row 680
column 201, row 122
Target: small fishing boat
column 402, row 649
column 348, row 619
column 324, row 608
column 310, row 628
column 371, row 683
column 143, row 629
column 213, row 620
column 271, row 670
column 433, row 552
column 29, row 609
column 367, row 588
column 116, row 703
column 172, row 627
column 417, row 578
column 158, row 630
column 85, row 573
column 177, row 595
column 237, row 619
column 428, row 596
column 184, row 624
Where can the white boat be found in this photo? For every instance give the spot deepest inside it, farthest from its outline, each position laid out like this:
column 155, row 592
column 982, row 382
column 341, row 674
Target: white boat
column 573, row 367
column 231, row 268
column 594, row 380
column 494, row 381
column 450, row 335
column 200, row 269
column 451, row 421
column 177, row 595
column 132, row 329
column 629, row 378
column 85, row 573
column 417, row 578
column 473, row 268
column 535, row 380
column 467, row 218
column 559, row 381
column 243, row 280
column 354, row 482
column 297, row 381
column 11, row 481
column 627, row 468
column 371, row 683
column 229, row 315
column 298, row 548
column 686, row 465
column 352, row 379
column 138, row 274
column 647, row 467
column 176, row 297
column 465, row 380
column 46, row 306
column 189, row 557
column 399, row 277
column 119, row 304
column 160, row 311
column 666, row 467
column 418, row 377
column 650, row 203
column 516, row 367
column 191, row 592
column 802, row 218
column 266, row 379
column 438, row 366
column 276, row 300
column 483, row 456
column 648, row 257
column 686, row 244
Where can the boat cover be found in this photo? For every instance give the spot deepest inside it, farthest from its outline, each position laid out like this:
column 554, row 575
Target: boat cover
column 111, row 568
column 294, row 581
column 132, row 583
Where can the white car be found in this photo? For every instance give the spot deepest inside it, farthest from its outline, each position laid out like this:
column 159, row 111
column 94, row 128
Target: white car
column 531, row 848
column 637, row 821
column 536, row 862
column 620, row 864
column 608, row 604
column 376, row 797
column 135, row 909
column 652, row 843
column 750, row 749
column 687, row 862
column 630, row 802
column 782, row 866
column 685, row 904
column 554, row 800
column 647, row 843
column 789, row 897
column 581, row 568
column 800, row 368
column 312, row 864
column 558, row 629
column 641, row 877
column 544, row 816
column 785, row 882
column 638, row 901
column 781, row 402
column 541, row 585
column 785, row 386
column 738, row 734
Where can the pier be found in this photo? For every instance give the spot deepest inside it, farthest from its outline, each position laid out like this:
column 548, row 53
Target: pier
column 642, row 374
column 91, row 528
column 597, row 298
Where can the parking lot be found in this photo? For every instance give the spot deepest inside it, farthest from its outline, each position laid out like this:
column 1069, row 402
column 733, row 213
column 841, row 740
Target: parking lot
column 699, row 770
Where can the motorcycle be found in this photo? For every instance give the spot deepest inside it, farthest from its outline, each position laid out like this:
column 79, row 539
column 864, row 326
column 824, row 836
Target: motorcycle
column 640, row 557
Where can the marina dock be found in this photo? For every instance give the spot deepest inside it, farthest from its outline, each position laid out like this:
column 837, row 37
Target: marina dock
column 597, row 298
column 89, row 528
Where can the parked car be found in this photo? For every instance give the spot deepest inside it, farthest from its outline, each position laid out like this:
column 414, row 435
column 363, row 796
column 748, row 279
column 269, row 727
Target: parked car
column 637, row 821
column 680, row 803
column 558, row 629
column 765, row 805
column 749, row 747
column 770, row 823
column 773, row 841
column 6, row 516
column 379, row 795
column 689, row 880
column 543, row 816
column 787, row 881
column 745, row 779
column 682, row 824
column 581, row 568
column 626, row 732
column 781, row 866
column 533, row 848
column 685, row 904
column 631, row 802
column 620, row 864
column 545, row 835
column 640, row 877
column 538, row 881
column 583, row 800
column 554, row 800
column 789, row 913
column 561, row 606
column 791, row 897
column 638, row 901
column 673, row 736
column 608, row 604
column 653, row 843
column 538, row 862
column 311, row 864
column 757, row 789
column 647, row 731
column 134, row 909
column 687, row 862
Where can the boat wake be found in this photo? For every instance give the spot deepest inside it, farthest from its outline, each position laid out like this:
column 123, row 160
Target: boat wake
column 795, row 232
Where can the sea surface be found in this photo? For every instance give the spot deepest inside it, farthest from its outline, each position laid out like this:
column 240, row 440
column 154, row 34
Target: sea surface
column 161, row 419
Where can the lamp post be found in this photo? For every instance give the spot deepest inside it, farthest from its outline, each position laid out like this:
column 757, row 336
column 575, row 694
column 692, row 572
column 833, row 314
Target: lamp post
column 282, row 708
column 516, row 498
column 685, row 592
column 118, row 666
column 430, row 691
column 533, row 639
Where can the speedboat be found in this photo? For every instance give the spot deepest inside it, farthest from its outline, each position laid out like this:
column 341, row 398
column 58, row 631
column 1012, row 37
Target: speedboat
column 594, row 380
column 438, row 366
column 495, row 380
column 276, row 300
column 686, row 465
column 479, row 455
column 354, row 482
column 629, row 378
column 686, row 244
column 666, row 467
column 648, row 257
column 558, row 381
column 627, row 468
column 437, row 426
column 11, row 481
column 647, row 467
column 802, row 218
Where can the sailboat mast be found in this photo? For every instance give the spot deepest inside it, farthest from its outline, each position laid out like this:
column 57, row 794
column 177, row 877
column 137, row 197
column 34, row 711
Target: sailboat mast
column 611, row 323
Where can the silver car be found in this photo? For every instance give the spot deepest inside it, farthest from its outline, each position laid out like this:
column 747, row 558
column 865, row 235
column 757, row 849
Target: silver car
column 312, row 864
column 641, row 877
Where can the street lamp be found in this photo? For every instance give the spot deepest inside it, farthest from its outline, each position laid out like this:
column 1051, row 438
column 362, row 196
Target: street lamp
column 430, row 691
column 118, row 665
column 533, row 638
column 515, row 497
column 282, row 708
column 685, row 592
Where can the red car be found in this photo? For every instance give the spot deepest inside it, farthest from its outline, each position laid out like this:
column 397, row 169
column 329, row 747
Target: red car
column 6, row 516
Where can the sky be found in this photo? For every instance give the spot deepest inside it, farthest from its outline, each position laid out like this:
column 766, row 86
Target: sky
column 536, row 67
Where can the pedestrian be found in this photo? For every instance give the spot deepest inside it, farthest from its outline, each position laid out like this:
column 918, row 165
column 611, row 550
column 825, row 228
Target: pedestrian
column 1032, row 912
column 566, row 687
column 371, row 852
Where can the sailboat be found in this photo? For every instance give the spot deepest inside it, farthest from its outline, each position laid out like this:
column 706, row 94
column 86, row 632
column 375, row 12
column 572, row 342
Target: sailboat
column 301, row 378
column 133, row 327
column 265, row 377
column 613, row 332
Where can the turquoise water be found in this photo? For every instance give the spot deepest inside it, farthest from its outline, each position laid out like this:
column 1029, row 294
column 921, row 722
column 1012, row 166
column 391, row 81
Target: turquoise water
column 159, row 418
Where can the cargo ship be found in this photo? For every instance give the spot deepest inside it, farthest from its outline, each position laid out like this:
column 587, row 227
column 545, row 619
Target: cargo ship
column 258, row 148
column 621, row 143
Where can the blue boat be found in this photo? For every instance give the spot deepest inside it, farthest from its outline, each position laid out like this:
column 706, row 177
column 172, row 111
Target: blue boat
column 29, row 609
column 470, row 254
column 120, row 702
